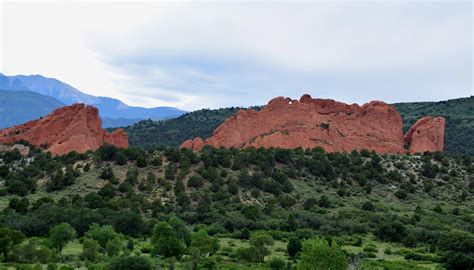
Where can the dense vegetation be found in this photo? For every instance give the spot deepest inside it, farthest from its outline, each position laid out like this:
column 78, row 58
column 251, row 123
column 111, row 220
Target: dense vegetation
column 459, row 114
column 174, row 132
column 236, row 209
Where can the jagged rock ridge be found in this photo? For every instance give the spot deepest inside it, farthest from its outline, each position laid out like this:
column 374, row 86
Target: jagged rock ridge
column 308, row 122
column 70, row 128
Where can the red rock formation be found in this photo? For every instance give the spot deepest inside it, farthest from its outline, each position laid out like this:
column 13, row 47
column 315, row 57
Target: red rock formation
column 427, row 134
column 307, row 123
column 196, row 144
column 76, row 127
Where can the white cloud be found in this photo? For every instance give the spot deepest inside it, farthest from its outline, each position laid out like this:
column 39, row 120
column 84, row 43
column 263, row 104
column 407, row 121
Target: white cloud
column 195, row 55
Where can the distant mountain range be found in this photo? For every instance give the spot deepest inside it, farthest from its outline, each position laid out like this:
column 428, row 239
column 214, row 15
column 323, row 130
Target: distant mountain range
column 17, row 107
column 112, row 111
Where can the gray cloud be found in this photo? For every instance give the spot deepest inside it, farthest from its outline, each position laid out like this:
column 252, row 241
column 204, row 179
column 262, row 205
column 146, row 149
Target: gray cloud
column 195, row 55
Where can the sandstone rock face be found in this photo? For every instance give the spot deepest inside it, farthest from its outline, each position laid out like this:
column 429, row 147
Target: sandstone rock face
column 307, row 123
column 427, row 134
column 76, row 127
column 197, row 144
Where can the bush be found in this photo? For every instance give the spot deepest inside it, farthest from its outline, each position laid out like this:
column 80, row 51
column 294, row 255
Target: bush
column 324, row 202
column 277, row 264
column 458, row 261
column 195, row 181
column 107, row 173
column 247, row 254
column 368, row 206
column 401, row 194
column 391, row 230
column 318, row 253
column 90, row 250
column 294, row 246
column 135, row 263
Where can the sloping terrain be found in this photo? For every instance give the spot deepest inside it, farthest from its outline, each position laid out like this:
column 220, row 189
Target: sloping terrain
column 385, row 212
column 18, row 107
column 174, row 132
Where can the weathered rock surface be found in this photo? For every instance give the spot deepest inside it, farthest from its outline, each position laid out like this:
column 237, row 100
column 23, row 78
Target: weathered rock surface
column 23, row 149
column 307, row 123
column 76, row 127
column 196, row 144
column 427, row 134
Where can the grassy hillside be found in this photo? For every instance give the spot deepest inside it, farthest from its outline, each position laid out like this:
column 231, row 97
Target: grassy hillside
column 384, row 212
column 18, row 107
column 459, row 114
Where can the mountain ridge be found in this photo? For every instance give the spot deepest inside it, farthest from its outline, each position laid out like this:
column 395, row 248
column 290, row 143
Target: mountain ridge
column 67, row 94
column 18, row 107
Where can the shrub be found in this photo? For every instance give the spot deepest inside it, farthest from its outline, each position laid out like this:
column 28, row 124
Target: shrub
column 401, row 194
column 247, row 254
column 294, row 246
column 318, row 253
column 195, row 181
column 277, row 264
column 135, row 263
column 368, row 206
column 324, row 202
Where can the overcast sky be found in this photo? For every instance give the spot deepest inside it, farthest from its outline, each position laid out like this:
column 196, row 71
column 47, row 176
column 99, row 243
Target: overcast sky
column 210, row 55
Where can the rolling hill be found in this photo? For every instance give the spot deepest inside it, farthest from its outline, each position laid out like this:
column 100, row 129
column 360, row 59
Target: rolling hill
column 173, row 132
column 383, row 212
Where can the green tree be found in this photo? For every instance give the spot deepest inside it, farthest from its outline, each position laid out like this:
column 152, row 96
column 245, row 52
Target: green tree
column 292, row 224
column 121, row 158
column 195, row 181
column 458, row 261
column 277, row 264
column 107, row 173
column 141, row 161
column 102, row 234
column 319, row 254
column 113, row 247
column 60, row 235
column 294, row 246
column 180, row 229
column 165, row 241
column 8, row 239
column 251, row 212
column 205, row 243
column 21, row 206
column 90, row 250
column 261, row 241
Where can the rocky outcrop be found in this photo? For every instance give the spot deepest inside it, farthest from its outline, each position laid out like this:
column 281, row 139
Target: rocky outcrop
column 71, row 128
column 23, row 149
column 195, row 144
column 308, row 123
column 427, row 134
